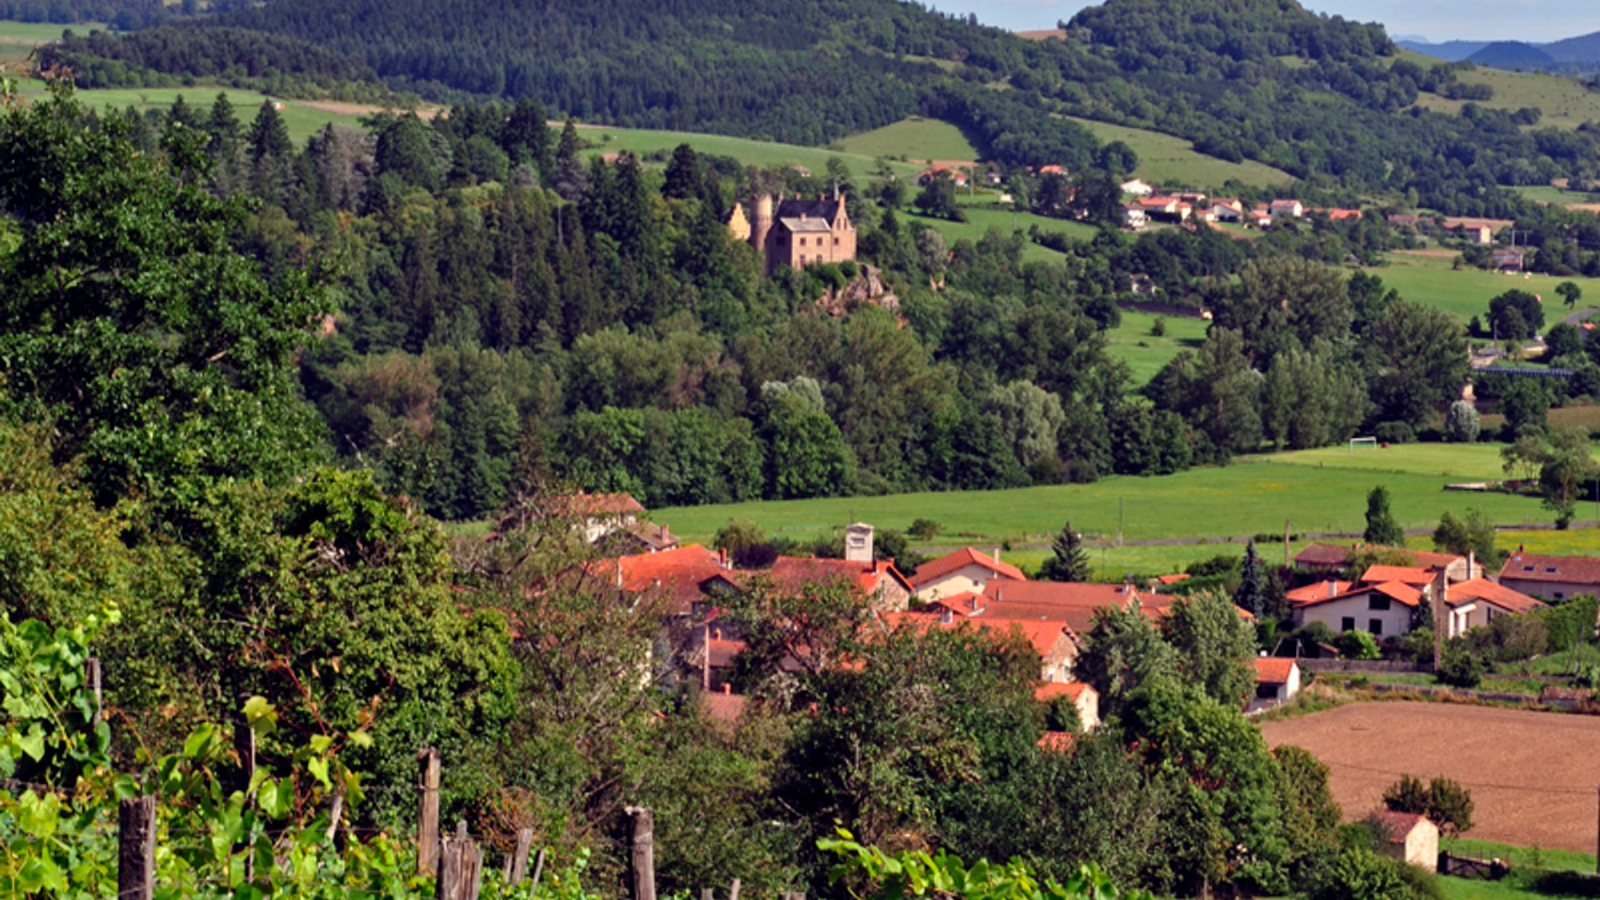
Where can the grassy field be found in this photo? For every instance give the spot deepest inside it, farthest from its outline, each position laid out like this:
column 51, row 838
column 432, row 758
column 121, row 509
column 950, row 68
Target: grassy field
column 1459, row 462
column 1238, row 500
column 606, row 139
column 1163, row 158
column 1563, row 101
column 302, row 118
column 983, row 214
column 1520, row 858
column 1145, row 353
column 1556, row 196
column 17, row 39
column 1466, row 292
column 916, row 139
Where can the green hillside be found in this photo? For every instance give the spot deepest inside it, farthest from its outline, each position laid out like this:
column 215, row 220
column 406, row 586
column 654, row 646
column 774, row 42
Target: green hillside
column 1164, row 158
column 764, row 154
column 302, row 117
column 1465, row 293
column 1562, row 100
column 916, row 139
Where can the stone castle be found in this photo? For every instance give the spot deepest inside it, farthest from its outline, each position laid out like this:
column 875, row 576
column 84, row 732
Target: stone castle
column 798, row 232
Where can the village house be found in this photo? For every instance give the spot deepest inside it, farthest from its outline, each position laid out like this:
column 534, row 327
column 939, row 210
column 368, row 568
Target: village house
column 1169, row 209
column 1084, row 699
column 934, row 173
column 1055, row 643
column 1227, row 209
column 1550, row 577
column 1386, row 600
column 1137, row 188
column 1480, row 233
column 1260, row 217
column 1339, row 215
column 1277, row 681
column 1408, row 837
column 1509, row 259
column 1285, row 209
column 796, row 233
column 964, row 571
column 1134, row 217
column 593, row 516
column 1333, row 559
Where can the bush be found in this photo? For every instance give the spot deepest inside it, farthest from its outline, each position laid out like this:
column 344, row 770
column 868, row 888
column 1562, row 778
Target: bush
column 1359, row 874
column 1158, row 328
column 1357, row 645
column 924, row 529
column 1312, row 634
column 1461, row 423
column 1394, row 433
column 1460, row 667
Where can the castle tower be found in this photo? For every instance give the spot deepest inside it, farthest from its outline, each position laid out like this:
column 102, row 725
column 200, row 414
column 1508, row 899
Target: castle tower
column 762, row 225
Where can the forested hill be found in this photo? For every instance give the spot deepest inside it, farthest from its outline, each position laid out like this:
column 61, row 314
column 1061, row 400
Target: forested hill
column 1320, row 97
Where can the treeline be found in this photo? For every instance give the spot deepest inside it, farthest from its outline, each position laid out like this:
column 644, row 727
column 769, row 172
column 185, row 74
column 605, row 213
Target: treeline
column 178, row 55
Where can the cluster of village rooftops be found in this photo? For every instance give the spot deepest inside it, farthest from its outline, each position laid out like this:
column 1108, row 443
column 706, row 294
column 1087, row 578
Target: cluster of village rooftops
column 973, row 588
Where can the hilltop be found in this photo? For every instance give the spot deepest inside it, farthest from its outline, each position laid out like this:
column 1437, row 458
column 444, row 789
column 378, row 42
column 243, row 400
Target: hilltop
column 1261, row 80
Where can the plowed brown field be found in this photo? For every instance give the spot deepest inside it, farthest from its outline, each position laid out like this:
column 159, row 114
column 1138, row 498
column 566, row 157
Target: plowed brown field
column 1533, row 775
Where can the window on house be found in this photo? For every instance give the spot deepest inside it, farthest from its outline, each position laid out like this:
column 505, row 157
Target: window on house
column 836, row 242
column 1378, row 604
column 802, row 242
column 1266, row 692
column 1348, row 623
column 1550, row 570
column 1527, row 568
column 1375, row 626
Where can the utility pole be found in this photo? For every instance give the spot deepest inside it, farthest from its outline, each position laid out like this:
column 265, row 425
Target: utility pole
column 1286, row 544
column 1120, row 501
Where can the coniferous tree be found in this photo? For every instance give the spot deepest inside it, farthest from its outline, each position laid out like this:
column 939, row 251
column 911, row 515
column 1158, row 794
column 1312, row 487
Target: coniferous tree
column 1382, row 529
column 1068, row 561
column 683, row 174
column 269, row 136
column 1252, row 593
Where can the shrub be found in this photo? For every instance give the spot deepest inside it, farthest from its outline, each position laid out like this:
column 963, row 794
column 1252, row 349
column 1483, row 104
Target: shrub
column 924, row 529
column 1313, row 633
column 1357, row 645
column 1158, row 328
column 1460, row 667
column 755, row 556
column 1462, row 423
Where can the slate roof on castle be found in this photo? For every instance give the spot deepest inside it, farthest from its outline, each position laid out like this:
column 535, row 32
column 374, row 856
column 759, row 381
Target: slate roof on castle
column 808, row 215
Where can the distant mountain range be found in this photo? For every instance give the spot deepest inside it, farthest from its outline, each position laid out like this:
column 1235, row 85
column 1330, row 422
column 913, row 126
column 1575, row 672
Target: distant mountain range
column 1577, row 54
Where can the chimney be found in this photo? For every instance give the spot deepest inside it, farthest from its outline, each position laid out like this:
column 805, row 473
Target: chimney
column 858, row 544
column 1333, row 589
column 727, row 688
column 997, row 554
column 1472, row 564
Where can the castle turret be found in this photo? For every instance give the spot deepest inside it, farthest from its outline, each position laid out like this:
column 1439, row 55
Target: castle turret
column 762, row 225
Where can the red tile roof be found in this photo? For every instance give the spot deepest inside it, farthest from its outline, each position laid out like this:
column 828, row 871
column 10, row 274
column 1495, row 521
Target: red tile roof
column 1069, row 602
column 1043, row 636
column 944, row 565
column 1174, row 579
column 1273, row 669
column 1403, row 593
column 1057, row 741
column 1398, row 824
column 1522, row 566
column 1404, row 574
column 678, row 573
column 1318, row 589
column 1488, row 592
column 723, row 707
column 582, row 504
column 1048, row 691
column 795, row 572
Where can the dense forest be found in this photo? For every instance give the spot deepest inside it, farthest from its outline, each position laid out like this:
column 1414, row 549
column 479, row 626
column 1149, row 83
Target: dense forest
column 1320, row 97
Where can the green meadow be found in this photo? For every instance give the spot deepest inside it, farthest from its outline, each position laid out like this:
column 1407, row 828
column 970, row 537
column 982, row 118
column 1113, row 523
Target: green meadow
column 302, row 117
column 1146, row 353
column 1165, row 158
column 984, row 213
column 1563, row 101
column 1466, row 292
column 915, row 139
column 1252, row 496
column 606, row 139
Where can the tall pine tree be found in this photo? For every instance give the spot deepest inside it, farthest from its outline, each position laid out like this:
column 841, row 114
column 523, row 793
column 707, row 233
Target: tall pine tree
column 1252, row 593
column 1068, row 561
column 1382, row 529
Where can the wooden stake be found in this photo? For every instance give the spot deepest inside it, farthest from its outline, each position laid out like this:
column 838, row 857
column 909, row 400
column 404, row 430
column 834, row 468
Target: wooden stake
column 644, row 860
column 472, row 859
column 519, row 859
column 733, row 890
column 428, row 812
column 333, row 816
column 450, row 870
column 707, row 894
column 91, row 680
column 538, row 870
column 136, row 849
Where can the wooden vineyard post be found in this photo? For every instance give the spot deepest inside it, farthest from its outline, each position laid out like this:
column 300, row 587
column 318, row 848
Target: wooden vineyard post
column 644, row 860
column 428, row 812
column 136, row 848
column 450, row 870
column 91, row 680
column 733, row 890
column 517, row 868
column 538, row 870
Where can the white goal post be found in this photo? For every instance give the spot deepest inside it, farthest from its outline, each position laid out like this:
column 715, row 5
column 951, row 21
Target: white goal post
column 1365, row 442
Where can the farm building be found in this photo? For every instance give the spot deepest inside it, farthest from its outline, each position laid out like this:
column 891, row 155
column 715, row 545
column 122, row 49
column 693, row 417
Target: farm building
column 964, row 571
column 1085, row 699
column 1277, row 681
column 1409, row 837
column 1550, row 577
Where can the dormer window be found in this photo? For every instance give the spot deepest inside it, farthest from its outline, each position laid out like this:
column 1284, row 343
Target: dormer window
column 1551, row 570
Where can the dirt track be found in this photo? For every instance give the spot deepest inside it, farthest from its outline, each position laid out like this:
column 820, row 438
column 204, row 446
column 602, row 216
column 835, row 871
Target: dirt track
column 1533, row 775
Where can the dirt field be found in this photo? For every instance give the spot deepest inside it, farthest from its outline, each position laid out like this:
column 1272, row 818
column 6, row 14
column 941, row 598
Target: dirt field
column 1533, row 775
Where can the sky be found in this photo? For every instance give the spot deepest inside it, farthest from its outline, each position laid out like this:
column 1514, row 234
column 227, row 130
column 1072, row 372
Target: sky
column 1436, row 20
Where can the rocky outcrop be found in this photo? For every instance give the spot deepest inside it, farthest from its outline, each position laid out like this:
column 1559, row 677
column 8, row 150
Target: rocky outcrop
column 865, row 289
